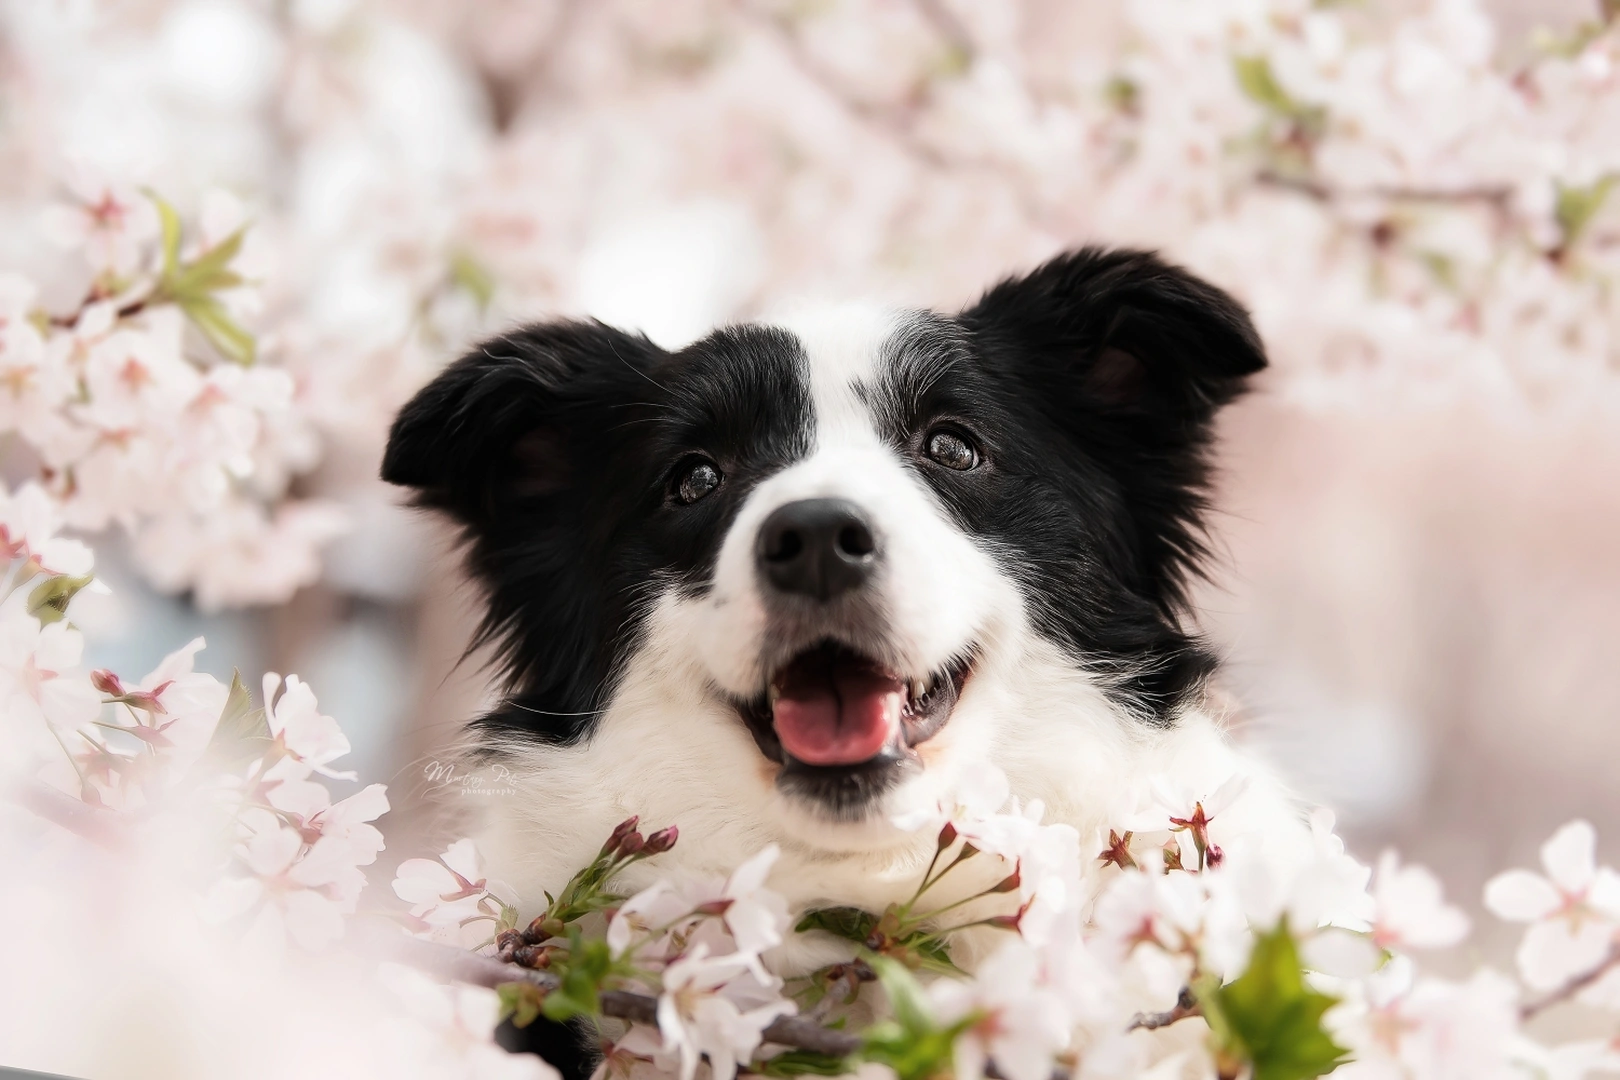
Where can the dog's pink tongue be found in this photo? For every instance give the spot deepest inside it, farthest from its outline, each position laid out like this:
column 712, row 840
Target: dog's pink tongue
column 835, row 711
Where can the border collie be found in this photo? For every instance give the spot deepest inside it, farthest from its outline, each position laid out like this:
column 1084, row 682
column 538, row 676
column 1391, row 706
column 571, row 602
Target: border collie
column 786, row 583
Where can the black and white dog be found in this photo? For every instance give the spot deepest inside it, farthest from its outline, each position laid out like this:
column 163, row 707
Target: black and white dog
column 791, row 580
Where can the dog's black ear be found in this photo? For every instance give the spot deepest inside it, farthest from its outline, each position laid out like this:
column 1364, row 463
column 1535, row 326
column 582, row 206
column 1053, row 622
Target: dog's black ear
column 1125, row 330
column 1129, row 357
column 494, row 426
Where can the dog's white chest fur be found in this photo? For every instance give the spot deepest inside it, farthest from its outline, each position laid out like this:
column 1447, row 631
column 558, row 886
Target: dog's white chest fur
column 798, row 579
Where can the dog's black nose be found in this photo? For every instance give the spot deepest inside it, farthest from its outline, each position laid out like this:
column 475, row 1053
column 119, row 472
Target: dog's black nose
column 817, row 547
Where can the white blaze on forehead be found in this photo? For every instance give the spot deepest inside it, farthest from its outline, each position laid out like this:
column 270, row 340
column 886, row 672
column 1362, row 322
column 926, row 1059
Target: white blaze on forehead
column 939, row 592
column 844, row 349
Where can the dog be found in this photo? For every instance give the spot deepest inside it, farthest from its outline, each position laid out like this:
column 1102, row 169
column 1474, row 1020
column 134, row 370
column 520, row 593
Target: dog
column 793, row 580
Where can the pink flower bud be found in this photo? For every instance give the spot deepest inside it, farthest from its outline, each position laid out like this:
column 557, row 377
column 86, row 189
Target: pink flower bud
column 107, row 682
column 947, row 836
column 620, row 831
column 632, row 844
column 661, row 841
column 542, row 928
column 714, row 907
column 532, row 956
column 1010, row 883
column 507, row 942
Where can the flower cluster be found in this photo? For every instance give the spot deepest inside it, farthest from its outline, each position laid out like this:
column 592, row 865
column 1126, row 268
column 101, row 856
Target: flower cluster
column 173, row 805
column 146, row 407
column 1407, row 204
column 1399, row 203
column 1024, row 951
column 1289, row 967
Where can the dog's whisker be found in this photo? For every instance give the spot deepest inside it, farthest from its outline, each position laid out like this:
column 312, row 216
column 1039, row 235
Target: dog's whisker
column 549, row 712
column 930, row 545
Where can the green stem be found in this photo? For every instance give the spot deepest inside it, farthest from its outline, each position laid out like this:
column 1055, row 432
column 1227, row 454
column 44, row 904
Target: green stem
column 967, row 852
column 937, row 912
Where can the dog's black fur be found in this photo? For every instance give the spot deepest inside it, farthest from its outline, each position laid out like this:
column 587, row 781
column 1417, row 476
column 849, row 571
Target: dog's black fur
column 1091, row 382
column 1089, row 386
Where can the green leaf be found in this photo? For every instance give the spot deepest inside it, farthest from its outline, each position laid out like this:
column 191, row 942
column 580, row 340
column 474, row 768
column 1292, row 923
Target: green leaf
column 49, row 600
column 242, row 730
column 169, row 219
column 521, row 1002
column 1577, row 206
column 1123, row 93
column 803, row 1063
column 1259, row 83
column 1441, row 267
column 1270, row 1017
column 211, row 268
column 582, row 971
column 209, row 315
column 932, row 953
column 470, row 275
column 911, row 1042
column 851, row 924
column 1256, row 79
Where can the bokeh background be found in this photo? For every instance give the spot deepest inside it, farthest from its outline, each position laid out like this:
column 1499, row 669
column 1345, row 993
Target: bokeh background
column 1419, row 518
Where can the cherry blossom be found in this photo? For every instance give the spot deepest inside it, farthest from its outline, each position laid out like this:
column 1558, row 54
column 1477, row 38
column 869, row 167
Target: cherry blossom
column 110, row 222
column 340, row 830
column 286, row 895
column 447, row 1031
column 713, row 1007
column 1571, row 1061
column 1020, row 1023
column 1410, row 910
column 172, row 711
column 1574, row 910
column 754, row 917
column 1187, row 812
column 445, row 892
column 310, row 739
column 1424, row 1027
column 38, row 686
column 33, row 380
column 29, row 522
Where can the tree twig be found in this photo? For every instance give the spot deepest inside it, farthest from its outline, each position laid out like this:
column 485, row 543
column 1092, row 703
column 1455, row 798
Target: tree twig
column 469, row 967
column 798, row 1032
column 1496, row 196
column 1186, row 1005
column 97, row 825
column 946, row 24
column 1531, row 1009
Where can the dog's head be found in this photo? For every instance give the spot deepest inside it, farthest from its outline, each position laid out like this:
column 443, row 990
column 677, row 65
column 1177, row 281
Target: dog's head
column 822, row 540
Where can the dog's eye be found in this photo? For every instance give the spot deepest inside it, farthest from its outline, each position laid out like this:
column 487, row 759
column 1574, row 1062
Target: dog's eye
column 696, row 480
column 952, row 450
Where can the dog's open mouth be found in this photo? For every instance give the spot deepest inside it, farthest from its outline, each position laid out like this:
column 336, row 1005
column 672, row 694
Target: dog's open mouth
column 831, row 709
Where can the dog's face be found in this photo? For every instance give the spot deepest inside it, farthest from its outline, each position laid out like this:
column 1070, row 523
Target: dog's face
column 824, row 540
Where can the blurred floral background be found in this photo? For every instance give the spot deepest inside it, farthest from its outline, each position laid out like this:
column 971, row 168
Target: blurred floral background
column 1420, row 520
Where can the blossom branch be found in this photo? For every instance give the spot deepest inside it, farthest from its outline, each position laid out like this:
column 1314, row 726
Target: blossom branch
column 449, row 962
column 1496, row 196
column 78, row 817
column 1186, row 1005
column 948, row 26
column 1531, row 1009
